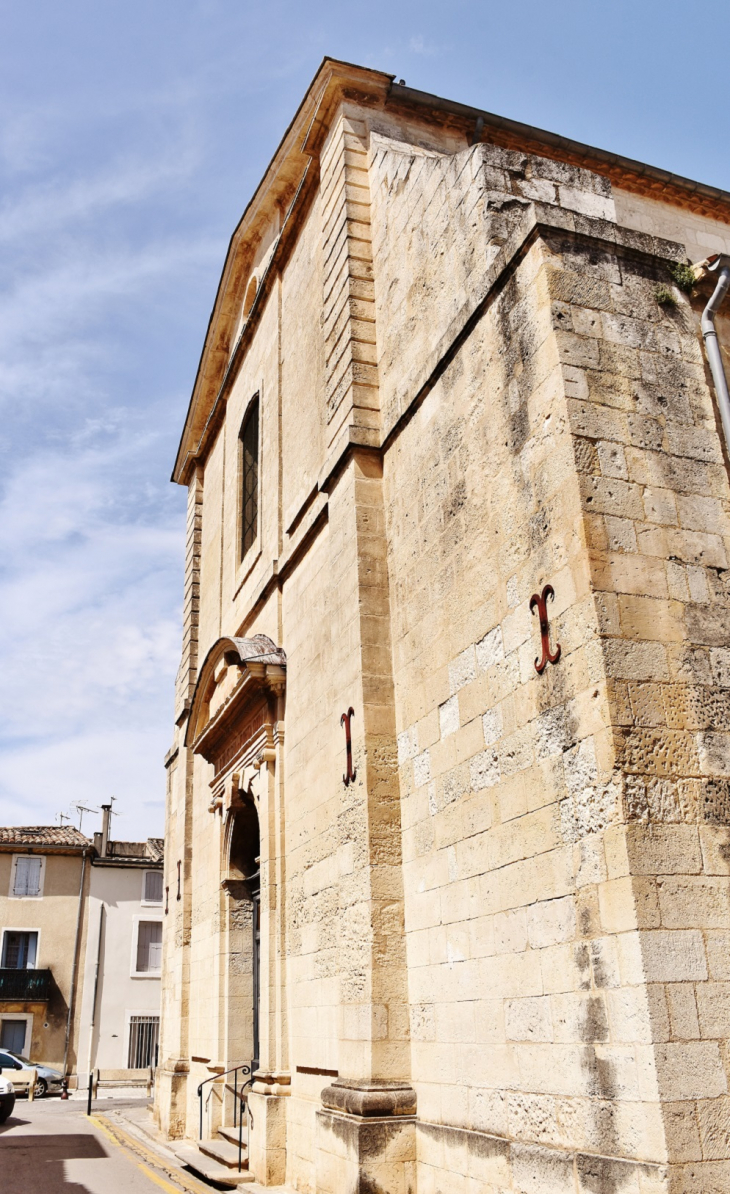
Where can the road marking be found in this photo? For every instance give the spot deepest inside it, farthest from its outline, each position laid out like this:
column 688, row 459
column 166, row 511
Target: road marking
column 160, row 1180
column 127, row 1143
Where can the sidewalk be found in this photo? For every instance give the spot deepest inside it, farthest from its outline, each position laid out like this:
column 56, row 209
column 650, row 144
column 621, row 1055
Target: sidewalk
column 50, row 1145
column 131, row 1123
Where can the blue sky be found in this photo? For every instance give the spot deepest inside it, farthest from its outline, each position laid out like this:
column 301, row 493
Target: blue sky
column 131, row 137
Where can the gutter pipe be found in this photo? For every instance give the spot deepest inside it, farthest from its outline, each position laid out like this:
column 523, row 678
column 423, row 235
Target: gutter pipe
column 712, row 344
column 72, row 993
column 102, row 909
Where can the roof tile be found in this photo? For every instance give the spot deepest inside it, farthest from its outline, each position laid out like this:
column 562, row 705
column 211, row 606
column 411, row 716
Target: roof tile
column 42, row 835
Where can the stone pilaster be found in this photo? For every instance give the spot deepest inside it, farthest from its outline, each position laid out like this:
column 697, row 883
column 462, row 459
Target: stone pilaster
column 349, row 293
column 374, row 1047
column 188, row 670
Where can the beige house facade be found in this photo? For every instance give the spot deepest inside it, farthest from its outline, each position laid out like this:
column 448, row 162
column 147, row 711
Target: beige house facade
column 448, row 823
column 81, row 924
column 44, row 883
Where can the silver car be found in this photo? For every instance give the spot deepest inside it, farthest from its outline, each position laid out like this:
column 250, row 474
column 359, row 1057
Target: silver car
column 18, row 1068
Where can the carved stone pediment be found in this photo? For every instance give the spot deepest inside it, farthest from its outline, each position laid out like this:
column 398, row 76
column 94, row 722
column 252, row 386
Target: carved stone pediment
column 236, row 702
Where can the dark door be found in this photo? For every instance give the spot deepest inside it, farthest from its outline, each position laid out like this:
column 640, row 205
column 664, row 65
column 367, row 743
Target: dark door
column 256, row 975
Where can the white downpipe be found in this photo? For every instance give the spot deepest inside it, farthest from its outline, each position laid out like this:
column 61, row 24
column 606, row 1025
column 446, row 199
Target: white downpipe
column 721, row 265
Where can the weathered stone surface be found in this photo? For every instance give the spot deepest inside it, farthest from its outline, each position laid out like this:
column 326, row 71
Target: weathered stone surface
column 509, row 928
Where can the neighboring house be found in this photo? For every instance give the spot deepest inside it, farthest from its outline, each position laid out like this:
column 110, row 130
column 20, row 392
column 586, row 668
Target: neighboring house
column 44, row 882
column 449, row 790
column 81, row 947
column 120, row 1006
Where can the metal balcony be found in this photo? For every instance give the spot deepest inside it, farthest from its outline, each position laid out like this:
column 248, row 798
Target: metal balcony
column 25, row 986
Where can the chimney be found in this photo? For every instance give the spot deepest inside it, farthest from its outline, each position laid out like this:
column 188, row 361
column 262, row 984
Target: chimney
column 106, row 810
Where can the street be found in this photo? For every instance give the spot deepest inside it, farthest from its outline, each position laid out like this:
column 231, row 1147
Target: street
column 51, row 1147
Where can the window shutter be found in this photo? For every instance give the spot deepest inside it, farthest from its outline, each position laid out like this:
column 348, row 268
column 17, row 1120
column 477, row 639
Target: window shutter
column 27, row 877
column 149, row 946
column 153, row 887
column 156, row 947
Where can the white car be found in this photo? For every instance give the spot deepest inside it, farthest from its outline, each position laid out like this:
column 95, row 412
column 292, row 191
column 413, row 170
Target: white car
column 7, row 1099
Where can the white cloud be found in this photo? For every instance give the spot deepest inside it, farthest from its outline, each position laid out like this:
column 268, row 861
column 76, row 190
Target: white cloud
column 419, row 45
column 89, row 634
column 42, row 208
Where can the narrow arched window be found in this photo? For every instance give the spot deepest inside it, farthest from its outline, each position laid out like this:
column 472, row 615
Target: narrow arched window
column 250, row 477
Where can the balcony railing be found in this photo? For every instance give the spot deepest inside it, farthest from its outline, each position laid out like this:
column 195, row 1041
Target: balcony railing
column 25, row 986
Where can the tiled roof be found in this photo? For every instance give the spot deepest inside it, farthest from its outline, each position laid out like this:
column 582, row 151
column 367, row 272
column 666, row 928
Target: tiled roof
column 42, row 835
column 156, row 848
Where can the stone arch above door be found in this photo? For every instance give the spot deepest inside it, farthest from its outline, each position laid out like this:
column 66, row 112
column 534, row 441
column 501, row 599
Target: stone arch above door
column 236, row 716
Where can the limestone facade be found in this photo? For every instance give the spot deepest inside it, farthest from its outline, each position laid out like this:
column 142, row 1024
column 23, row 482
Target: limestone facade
column 498, row 958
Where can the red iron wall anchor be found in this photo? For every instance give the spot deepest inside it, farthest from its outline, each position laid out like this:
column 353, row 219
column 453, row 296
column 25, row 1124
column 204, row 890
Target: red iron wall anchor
column 539, row 600
column 345, row 721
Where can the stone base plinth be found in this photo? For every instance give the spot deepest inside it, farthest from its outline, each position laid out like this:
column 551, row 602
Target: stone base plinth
column 170, row 1111
column 267, row 1138
column 366, row 1139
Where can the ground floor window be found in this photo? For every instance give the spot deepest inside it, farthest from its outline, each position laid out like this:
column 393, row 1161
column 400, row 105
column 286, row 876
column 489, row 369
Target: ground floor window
column 12, row 1035
column 144, row 1035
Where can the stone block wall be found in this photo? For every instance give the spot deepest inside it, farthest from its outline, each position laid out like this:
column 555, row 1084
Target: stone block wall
column 539, row 895
column 655, row 498
column 525, row 913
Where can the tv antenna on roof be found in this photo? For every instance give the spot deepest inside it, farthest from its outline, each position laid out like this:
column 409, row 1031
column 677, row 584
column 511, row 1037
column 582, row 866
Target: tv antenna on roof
column 81, row 809
column 61, row 818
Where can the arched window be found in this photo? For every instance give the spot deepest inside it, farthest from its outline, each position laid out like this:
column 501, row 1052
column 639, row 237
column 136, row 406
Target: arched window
column 250, row 477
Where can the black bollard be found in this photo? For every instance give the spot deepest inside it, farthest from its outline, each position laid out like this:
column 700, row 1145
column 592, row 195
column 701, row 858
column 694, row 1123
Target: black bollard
column 91, row 1087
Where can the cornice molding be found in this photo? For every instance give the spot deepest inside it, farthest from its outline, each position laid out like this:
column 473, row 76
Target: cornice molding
column 290, row 181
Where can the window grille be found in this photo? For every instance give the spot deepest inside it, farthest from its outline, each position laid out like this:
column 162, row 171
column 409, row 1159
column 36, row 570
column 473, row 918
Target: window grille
column 149, row 946
column 144, row 1034
column 249, row 478
column 19, row 950
column 27, row 877
column 153, row 887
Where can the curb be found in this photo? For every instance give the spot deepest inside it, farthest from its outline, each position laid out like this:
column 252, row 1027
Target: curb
column 123, row 1138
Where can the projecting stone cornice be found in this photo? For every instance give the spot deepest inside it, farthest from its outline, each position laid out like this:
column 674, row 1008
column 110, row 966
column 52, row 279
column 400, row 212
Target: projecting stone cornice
column 236, row 694
column 273, row 199
column 283, row 196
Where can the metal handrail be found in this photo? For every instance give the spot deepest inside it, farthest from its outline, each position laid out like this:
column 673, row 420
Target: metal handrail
column 237, row 1096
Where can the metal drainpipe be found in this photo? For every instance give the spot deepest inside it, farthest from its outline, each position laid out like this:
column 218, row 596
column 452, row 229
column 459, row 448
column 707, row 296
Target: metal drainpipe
column 712, row 344
column 102, row 910
column 74, row 968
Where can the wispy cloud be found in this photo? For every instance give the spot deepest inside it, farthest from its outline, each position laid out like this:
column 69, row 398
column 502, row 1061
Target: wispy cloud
column 56, row 201
column 420, row 45
column 90, row 639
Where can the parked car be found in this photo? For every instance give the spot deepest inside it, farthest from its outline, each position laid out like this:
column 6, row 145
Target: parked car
column 46, row 1078
column 7, row 1099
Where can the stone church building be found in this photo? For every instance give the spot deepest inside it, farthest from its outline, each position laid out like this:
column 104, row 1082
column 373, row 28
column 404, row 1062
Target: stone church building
column 448, row 831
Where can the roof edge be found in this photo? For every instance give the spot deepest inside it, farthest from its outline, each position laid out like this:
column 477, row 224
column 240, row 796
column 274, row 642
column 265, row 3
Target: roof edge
column 300, row 144
column 411, row 96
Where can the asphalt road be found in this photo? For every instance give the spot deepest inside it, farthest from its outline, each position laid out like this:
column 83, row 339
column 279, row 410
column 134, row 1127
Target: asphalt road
column 50, row 1147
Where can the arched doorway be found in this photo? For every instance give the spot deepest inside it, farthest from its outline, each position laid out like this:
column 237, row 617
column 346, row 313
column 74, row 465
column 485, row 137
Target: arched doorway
column 243, row 886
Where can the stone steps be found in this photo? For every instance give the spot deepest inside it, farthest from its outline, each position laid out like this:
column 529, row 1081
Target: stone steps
column 211, row 1170
column 224, row 1151
column 232, row 1135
